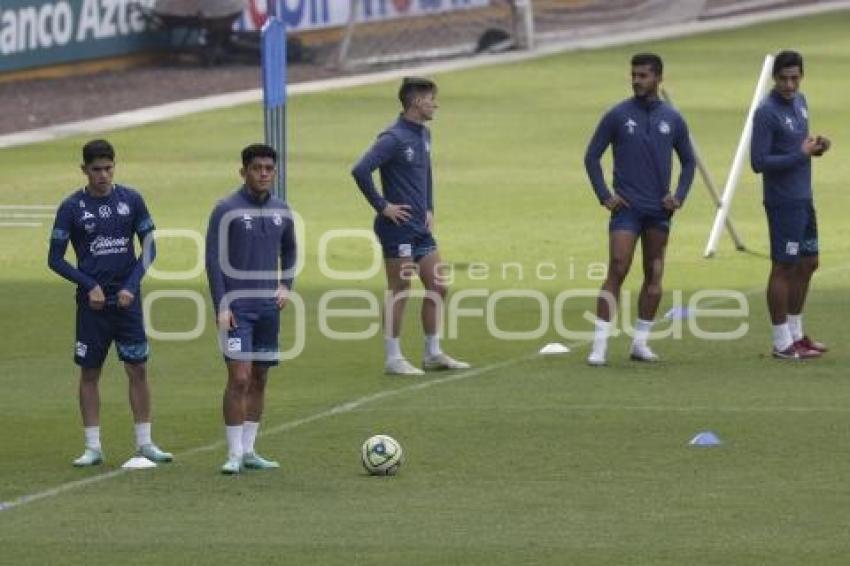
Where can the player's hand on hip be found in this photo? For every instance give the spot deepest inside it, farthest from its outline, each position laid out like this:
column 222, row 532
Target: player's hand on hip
column 97, row 299
column 398, row 213
column 671, row 203
column 615, row 203
column 226, row 320
column 125, row 298
column 281, row 296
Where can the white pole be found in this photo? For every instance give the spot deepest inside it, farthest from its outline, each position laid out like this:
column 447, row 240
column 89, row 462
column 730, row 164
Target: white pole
column 738, row 162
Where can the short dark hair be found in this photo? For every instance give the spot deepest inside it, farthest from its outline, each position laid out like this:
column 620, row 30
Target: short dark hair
column 257, row 150
column 411, row 87
column 98, row 149
column 785, row 59
column 651, row 59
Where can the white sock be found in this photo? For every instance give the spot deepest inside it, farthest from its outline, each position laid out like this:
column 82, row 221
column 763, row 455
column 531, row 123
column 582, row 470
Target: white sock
column 642, row 329
column 92, row 436
column 432, row 345
column 234, row 441
column 795, row 324
column 143, row 434
column 782, row 336
column 392, row 348
column 600, row 336
column 249, row 435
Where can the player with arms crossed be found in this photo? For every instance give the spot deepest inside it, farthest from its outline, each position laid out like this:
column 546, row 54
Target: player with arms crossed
column 404, row 223
column 100, row 220
column 250, row 261
column 643, row 132
column 782, row 150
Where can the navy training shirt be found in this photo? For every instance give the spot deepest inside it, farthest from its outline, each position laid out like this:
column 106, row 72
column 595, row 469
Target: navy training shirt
column 779, row 128
column 402, row 152
column 643, row 135
column 257, row 239
column 101, row 230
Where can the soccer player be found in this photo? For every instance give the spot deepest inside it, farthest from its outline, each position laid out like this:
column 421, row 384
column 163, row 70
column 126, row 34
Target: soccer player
column 643, row 131
column 250, row 261
column 782, row 150
column 100, row 221
column 404, row 223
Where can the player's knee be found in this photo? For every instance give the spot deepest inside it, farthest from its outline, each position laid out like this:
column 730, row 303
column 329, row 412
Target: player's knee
column 618, row 270
column 654, row 290
column 239, row 382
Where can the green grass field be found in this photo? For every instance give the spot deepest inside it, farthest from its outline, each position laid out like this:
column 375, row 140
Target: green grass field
column 523, row 460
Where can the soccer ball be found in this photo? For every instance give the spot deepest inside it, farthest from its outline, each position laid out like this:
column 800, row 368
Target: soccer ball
column 381, row 455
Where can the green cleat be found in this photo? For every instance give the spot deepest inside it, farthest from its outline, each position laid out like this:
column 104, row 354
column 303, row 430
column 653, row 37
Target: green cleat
column 231, row 467
column 154, row 454
column 253, row 461
column 90, row 457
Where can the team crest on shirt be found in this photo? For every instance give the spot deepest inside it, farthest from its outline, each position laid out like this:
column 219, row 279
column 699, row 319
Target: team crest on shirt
column 277, row 219
column 631, row 125
column 246, row 218
column 123, row 208
column 104, row 211
column 409, row 153
column 664, row 127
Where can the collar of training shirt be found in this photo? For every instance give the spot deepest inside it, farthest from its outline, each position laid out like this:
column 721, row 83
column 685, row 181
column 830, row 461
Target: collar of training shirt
column 646, row 103
column 410, row 125
column 254, row 199
column 774, row 95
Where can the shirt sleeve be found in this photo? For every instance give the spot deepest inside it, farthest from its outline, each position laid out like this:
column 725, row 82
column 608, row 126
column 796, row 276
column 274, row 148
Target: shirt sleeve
column 143, row 226
column 381, row 152
column 687, row 160
column 215, row 275
column 761, row 158
column 602, row 138
column 288, row 254
column 59, row 238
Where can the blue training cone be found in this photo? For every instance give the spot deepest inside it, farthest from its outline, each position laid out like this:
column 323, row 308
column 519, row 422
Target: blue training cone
column 706, row 438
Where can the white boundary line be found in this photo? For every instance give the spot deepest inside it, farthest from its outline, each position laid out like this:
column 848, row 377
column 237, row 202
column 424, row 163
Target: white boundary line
column 183, row 108
column 349, row 406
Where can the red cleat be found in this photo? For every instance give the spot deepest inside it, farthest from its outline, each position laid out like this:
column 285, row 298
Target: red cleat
column 804, row 352
column 813, row 345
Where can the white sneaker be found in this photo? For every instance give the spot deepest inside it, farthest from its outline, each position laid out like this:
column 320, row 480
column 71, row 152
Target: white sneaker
column 596, row 359
column 400, row 366
column 442, row 361
column 643, row 353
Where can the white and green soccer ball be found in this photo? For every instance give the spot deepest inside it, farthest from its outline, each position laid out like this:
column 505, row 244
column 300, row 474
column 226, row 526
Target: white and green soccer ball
column 381, row 455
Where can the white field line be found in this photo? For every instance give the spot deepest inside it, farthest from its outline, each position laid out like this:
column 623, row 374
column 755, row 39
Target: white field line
column 182, row 108
column 27, row 207
column 20, row 224
column 418, row 386
column 24, row 215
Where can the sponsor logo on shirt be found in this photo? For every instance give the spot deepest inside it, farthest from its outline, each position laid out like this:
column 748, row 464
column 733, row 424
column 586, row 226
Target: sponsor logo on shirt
column 234, row 344
column 82, row 204
column 104, row 211
column 107, row 245
column 123, row 208
column 631, row 125
column 789, row 121
column 405, row 250
column 246, row 218
column 792, row 248
column 86, row 215
column 409, row 154
column 664, row 127
column 81, row 349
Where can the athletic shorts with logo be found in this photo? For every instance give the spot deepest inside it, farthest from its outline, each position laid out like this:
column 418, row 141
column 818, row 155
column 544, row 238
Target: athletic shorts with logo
column 639, row 221
column 793, row 231
column 255, row 338
column 401, row 242
column 97, row 329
